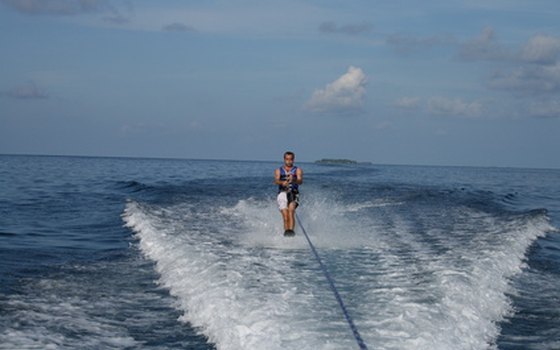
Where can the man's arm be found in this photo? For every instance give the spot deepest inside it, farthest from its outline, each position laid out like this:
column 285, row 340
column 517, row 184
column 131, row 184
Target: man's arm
column 299, row 174
column 277, row 178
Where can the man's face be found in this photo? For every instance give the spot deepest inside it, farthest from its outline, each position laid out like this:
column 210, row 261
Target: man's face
column 289, row 160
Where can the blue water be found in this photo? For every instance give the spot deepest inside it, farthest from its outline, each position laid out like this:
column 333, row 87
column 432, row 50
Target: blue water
column 113, row 253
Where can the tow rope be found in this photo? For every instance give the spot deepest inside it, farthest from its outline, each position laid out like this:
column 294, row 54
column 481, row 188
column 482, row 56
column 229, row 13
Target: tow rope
column 355, row 332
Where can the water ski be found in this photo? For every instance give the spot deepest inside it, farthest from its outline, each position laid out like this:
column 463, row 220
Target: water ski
column 289, row 233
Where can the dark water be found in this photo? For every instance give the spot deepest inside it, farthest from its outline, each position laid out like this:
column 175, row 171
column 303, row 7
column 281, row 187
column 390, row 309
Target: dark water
column 160, row 254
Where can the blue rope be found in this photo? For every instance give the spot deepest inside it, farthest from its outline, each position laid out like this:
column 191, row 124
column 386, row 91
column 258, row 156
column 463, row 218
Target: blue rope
column 359, row 339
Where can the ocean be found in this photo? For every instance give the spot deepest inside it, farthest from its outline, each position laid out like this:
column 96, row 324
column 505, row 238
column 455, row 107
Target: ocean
column 130, row 253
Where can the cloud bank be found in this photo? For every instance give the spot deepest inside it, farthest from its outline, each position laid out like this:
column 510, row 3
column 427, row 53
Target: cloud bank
column 528, row 80
column 330, row 27
column 541, row 49
column 344, row 95
column 28, row 91
column 454, row 107
column 56, row 7
column 443, row 106
column 407, row 102
column 530, row 73
column 178, row 27
column 545, row 109
column 407, row 44
column 484, row 47
column 73, row 7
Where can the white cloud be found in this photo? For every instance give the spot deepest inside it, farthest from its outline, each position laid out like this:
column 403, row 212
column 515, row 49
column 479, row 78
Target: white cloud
column 539, row 49
column 116, row 12
column 407, row 102
column 545, row 109
column 529, row 79
column 344, row 95
column 484, row 47
column 530, row 73
column 542, row 49
column 385, row 125
column 27, row 91
column 178, row 27
column 62, row 7
column 248, row 18
column 117, row 19
column 445, row 106
column 407, row 44
column 454, row 107
column 56, row 7
column 331, row 27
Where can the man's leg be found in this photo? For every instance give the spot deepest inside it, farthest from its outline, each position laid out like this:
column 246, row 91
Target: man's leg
column 292, row 216
column 286, row 216
column 283, row 207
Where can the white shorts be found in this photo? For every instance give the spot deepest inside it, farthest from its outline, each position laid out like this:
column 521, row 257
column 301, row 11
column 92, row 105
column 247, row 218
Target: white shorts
column 284, row 199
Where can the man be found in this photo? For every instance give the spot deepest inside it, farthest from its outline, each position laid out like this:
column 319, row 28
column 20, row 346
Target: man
column 288, row 178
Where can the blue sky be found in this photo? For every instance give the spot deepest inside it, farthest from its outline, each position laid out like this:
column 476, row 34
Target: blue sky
column 396, row 82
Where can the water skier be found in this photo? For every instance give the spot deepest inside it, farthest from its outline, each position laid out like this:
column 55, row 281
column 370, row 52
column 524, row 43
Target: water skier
column 288, row 178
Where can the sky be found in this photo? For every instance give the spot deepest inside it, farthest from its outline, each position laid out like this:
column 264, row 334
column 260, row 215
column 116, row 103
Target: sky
column 436, row 82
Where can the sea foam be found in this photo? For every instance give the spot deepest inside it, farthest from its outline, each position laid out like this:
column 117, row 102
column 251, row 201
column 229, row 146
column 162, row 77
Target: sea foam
column 245, row 286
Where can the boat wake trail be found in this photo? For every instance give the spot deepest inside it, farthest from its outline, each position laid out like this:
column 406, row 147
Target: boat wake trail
column 412, row 277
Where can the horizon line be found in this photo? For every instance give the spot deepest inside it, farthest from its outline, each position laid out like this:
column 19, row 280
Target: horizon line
column 261, row 160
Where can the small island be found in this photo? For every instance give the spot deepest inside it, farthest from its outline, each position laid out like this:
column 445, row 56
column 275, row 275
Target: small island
column 335, row 161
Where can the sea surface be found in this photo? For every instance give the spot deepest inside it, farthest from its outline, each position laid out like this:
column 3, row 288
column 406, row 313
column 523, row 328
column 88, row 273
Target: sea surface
column 128, row 253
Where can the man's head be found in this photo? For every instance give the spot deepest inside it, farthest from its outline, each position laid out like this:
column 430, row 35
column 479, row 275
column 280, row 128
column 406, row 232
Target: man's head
column 289, row 158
